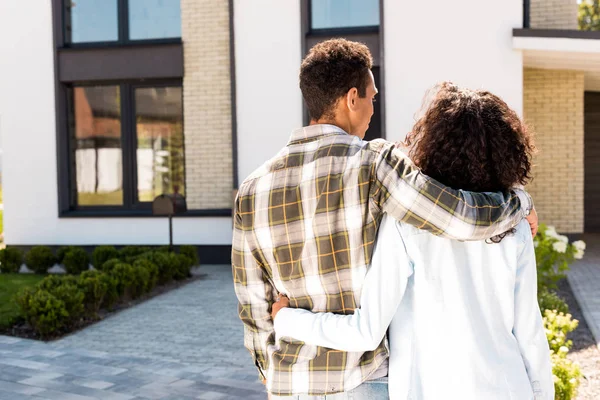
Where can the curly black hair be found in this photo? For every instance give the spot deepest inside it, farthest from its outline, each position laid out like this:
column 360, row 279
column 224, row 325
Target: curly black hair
column 471, row 140
column 330, row 70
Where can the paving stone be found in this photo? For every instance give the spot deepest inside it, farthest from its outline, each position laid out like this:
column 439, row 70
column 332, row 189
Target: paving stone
column 19, row 388
column 93, row 384
column 584, row 278
column 185, row 344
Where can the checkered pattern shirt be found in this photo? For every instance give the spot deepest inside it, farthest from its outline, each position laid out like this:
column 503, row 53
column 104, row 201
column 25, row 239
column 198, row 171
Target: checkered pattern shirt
column 305, row 224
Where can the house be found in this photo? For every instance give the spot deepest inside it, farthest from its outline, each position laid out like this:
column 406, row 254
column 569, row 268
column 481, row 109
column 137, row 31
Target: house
column 105, row 105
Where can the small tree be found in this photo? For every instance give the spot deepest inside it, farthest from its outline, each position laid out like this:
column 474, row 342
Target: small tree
column 589, row 15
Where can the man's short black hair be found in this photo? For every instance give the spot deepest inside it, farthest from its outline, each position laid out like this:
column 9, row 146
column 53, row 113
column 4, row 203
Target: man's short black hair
column 330, row 69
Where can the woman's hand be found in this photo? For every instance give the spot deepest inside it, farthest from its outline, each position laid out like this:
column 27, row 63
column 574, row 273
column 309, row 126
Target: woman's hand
column 282, row 301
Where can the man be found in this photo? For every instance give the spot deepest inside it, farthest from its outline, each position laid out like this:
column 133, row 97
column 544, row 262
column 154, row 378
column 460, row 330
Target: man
column 305, row 223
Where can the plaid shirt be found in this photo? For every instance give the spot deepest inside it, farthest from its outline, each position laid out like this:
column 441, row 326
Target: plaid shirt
column 305, row 224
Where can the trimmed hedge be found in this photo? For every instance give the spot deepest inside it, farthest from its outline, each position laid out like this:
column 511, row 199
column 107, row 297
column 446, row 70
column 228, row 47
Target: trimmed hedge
column 39, row 259
column 191, row 252
column 102, row 254
column 11, row 260
column 62, row 252
column 58, row 302
column 76, row 261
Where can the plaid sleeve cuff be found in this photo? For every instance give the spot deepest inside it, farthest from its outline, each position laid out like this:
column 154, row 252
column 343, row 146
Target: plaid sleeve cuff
column 526, row 201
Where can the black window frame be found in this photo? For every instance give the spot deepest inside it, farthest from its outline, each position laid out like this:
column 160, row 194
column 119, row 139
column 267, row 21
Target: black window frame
column 128, row 143
column 122, row 29
column 86, row 63
column 340, row 30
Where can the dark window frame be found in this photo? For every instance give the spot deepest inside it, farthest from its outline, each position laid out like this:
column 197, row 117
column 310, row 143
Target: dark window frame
column 365, row 34
column 128, row 144
column 122, row 28
column 132, row 66
column 341, row 30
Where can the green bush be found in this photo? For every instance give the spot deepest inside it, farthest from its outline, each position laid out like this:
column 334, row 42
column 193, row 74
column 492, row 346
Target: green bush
column 163, row 263
column 550, row 301
column 152, row 272
column 76, row 261
column 567, row 377
column 164, row 249
column 73, row 298
column 129, row 252
column 181, row 266
column 66, row 289
column 553, row 254
column 558, row 326
column 125, row 279
column 141, row 281
column 110, row 264
column 102, row 254
column 39, row 259
column 62, row 252
column 44, row 311
column 95, row 287
column 191, row 252
column 11, row 259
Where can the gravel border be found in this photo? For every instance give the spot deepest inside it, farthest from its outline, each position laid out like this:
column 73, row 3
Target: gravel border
column 584, row 350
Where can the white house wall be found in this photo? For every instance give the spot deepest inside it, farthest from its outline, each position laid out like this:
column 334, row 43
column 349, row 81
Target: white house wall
column 468, row 42
column 28, row 130
column 268, row 55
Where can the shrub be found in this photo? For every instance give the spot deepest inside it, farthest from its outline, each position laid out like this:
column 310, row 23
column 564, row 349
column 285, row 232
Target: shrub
column 73, row 298
column 76, row 261
column 164, row 249
column 95, row 287
column 51, row 282
column 124, row 278
column 163, row 263
column 110, row 264
column 152, row 272
column 567, row 377
column 102, row 254
column 191, row 252
column 550, row 301
column 553, row 254
column 45, row 312
column 62, row 252
column 39, row 259
column 558, row 326
column 11, row 259
column 141, row 281
column 66, row 289
column 129, row 252
column 181, row 266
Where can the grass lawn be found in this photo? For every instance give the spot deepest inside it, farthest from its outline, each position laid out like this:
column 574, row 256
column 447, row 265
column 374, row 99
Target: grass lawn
column 10, row 284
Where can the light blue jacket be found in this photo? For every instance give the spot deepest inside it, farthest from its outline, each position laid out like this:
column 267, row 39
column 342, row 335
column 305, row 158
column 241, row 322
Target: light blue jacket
column 463, row 317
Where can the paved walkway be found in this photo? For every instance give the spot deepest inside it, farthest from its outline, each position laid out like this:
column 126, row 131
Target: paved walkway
column 584, row 278
column 186, row 344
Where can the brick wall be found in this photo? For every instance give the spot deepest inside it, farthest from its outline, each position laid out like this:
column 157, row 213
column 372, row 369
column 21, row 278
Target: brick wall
column 207, row 103
column 553, row 109
column 553, row 14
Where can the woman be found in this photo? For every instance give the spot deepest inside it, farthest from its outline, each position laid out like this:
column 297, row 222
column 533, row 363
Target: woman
column 463, row 317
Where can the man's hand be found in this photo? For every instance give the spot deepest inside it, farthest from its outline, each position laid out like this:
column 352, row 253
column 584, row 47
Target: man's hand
column 532, row 218
column 282, row 301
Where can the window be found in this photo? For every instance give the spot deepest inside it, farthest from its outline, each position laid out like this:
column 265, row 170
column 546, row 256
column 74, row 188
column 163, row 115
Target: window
column 120, row 21
column 154, row 19
column 160, row 152
column 327, row 14
column 126, row 144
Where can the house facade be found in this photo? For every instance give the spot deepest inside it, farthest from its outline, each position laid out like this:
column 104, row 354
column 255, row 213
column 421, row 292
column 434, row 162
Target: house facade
column 105, row 105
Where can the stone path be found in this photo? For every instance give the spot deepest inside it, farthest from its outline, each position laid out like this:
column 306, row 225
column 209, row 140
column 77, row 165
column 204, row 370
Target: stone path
column 584, row 278
column 186, row 344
